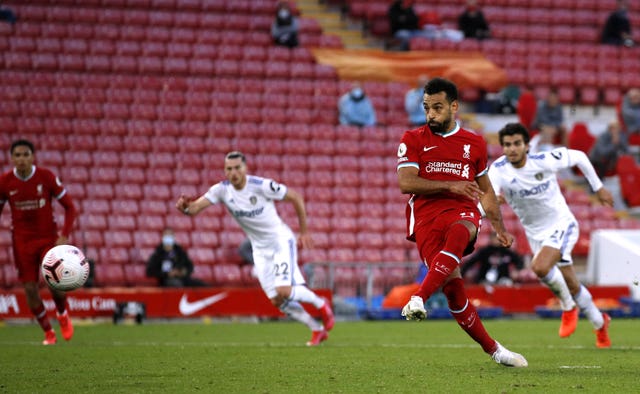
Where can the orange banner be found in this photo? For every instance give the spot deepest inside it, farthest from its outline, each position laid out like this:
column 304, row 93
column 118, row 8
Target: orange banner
column 466, row 69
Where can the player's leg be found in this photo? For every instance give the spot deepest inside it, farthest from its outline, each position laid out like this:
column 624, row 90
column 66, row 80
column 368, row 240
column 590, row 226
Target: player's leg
column 271, row 276
column 544, row 266
column 456, row 239
column 467, row 317
column 27, row 261
column 62, row 313
column 600, row 321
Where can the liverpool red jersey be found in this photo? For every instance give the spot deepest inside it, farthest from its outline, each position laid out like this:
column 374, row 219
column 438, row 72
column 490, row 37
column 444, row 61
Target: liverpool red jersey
column 30, row 201
column 459, row 155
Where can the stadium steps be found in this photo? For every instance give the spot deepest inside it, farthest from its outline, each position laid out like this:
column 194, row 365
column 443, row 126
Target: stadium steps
column 333, row 23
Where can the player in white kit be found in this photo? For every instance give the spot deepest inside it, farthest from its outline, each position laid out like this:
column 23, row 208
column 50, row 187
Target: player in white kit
column 250, row 200
column 528, row 183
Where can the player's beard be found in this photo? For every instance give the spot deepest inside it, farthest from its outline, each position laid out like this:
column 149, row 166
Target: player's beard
column 439, row 127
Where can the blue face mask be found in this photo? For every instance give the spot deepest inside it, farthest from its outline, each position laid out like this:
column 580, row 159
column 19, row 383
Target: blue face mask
column 357, row 93
column 168, row 240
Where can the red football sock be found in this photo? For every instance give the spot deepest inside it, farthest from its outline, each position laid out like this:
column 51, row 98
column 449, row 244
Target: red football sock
column 446, row 261
column 466, row 315
column 61, row 304
column 41, row 315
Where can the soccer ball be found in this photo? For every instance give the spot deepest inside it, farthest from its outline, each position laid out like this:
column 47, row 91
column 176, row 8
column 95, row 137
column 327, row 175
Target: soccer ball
column 65, row 268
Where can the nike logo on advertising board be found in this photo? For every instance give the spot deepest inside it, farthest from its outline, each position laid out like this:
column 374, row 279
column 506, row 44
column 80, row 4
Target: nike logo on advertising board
column 429, row 148
column 188, row 308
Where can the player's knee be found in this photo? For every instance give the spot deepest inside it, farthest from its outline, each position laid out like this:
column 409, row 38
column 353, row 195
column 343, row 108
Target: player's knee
column 541, row 270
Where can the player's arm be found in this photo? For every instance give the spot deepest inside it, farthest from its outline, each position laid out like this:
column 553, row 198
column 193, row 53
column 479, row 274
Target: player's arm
column 192, row 207
column 491, row 208
column 580, row 159
column 70, row 215
column 304, row 239
column 411, row 183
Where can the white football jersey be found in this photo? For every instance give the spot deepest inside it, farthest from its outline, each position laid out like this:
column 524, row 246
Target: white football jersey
column 253, row 208
column 533, row 190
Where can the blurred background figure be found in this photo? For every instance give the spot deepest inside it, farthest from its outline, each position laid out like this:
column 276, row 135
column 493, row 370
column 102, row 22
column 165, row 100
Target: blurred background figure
column 493, row 264
column 355, row 108
column 473, row 23
column 284, row 29
column 7, row 15
column 608, row 147
column 404, row 22
column 549, row 123
column 413, row 103
column 617, row 28
column 631, row 111
column 170, row 264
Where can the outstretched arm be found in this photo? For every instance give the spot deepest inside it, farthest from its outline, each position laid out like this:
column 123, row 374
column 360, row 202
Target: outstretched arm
column 491, row 207
column 411, row 183
column 190, row 207
column 304, row 239
column 580, row 159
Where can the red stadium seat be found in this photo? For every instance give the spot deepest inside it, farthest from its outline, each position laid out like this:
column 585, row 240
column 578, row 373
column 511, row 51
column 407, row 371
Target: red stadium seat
column 108, row 272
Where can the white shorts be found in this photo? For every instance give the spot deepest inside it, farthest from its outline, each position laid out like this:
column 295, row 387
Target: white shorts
column 562, row 237
column 277, row 266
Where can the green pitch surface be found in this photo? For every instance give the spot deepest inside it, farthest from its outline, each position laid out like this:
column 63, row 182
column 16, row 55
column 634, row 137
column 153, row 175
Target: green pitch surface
column 359, row 357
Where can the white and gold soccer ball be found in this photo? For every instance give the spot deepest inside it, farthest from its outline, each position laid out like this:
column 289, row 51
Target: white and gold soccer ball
column 65, row 268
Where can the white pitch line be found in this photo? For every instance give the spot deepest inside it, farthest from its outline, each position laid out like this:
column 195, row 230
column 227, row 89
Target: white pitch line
column 579, row 367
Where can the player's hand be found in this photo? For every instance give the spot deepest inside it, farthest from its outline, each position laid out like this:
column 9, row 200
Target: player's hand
column 182, row 203
column 605, row 197
column 505, row 238
column 501, row 199
column 470, row 190
column 305, row 241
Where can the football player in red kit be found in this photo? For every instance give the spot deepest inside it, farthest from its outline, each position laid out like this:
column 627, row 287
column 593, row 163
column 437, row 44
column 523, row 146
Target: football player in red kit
column 444, row 168
column 30, row 190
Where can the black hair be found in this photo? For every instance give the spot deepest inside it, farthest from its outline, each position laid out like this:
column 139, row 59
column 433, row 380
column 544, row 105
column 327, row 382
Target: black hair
column 514, row 129
column 26, row 143
column 235, row 155
column 437, row 85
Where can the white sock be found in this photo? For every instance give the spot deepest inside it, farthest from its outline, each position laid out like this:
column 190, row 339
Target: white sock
column 302, row 293
column 555, row 281
column 294, row 310
column 590, row 310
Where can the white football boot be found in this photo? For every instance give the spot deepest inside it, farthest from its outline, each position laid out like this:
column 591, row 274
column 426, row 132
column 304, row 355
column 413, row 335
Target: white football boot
column 414, row 310
column 508, row 358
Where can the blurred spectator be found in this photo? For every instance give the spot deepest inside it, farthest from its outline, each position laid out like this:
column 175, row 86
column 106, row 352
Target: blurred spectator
column 549, row 123
column 284, row 29
column 631, row 110
column 170, row 264
column 404, row 22
column 246, row 251
column 493, row 264
column 608, row 147
column 617, row 28
column 356, row 109
column 472, row 22
column 7, row 15
column 413, row 103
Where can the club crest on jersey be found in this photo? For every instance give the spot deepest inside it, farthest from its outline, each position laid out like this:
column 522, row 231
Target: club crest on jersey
column 253, row 200
column 39, row 189
column 539, row 176
column 467, row 151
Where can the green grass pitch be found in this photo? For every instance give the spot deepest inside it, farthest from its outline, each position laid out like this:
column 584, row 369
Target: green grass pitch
column 359, row 357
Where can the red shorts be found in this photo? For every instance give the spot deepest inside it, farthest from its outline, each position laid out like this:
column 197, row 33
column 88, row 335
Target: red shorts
column 430, row 235
column 28, row 257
